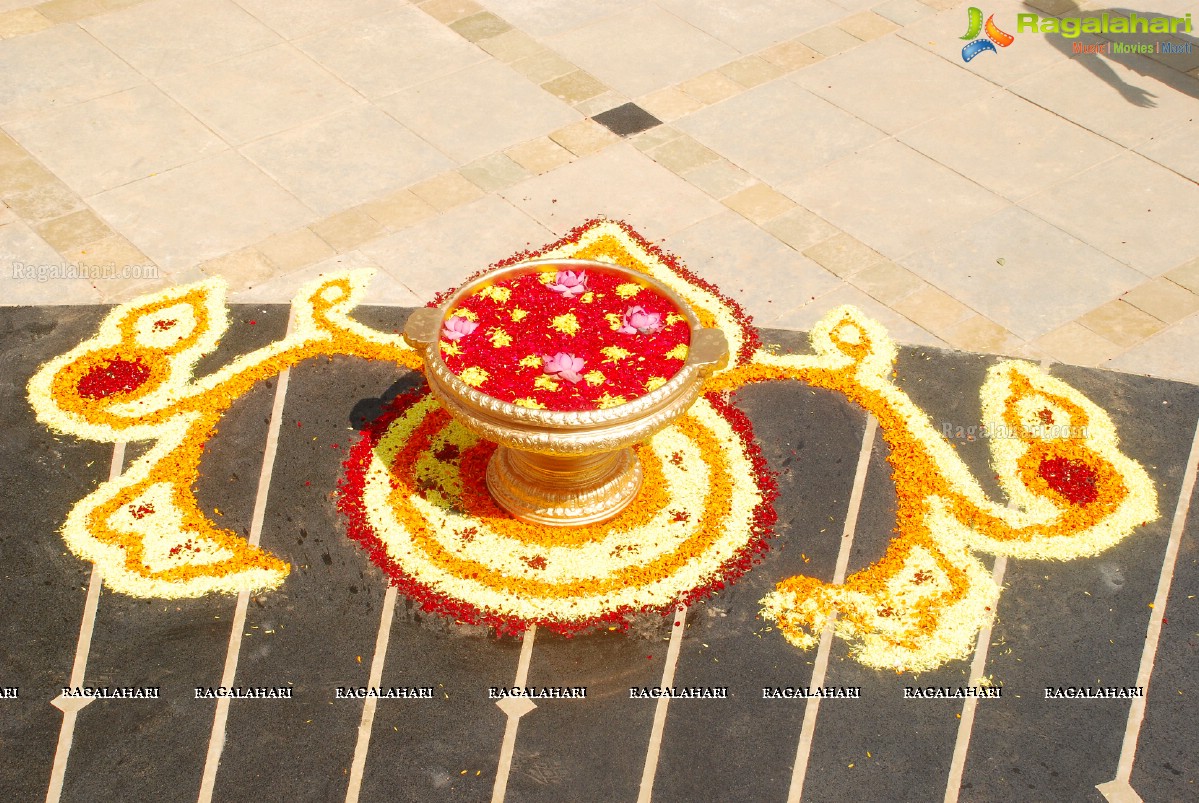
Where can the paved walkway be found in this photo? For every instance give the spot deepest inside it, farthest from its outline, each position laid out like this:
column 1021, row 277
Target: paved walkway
column 1030, row 202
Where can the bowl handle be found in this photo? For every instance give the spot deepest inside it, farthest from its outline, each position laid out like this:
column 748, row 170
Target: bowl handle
column 423, row 327
column 709, row 350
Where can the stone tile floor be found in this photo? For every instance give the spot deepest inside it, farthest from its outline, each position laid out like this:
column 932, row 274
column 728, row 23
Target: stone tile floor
column 1032, row 202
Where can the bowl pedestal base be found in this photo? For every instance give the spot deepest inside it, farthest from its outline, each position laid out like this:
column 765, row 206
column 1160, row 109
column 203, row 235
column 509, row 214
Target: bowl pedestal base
column 563, row 490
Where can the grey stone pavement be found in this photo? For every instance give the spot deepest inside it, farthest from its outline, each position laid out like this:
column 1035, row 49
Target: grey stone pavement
column 800, row 154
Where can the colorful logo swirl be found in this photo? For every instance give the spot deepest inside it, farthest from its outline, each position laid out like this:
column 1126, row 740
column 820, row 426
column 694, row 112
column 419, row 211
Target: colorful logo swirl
column 994, row 36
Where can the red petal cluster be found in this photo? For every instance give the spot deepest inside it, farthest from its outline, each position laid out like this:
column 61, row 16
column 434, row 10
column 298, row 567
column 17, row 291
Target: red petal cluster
column 113, row 376
column 1073, row 479
column 535, row 335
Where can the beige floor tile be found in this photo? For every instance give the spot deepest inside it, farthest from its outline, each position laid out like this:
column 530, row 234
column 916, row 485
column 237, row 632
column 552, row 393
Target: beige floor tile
column 575, row 87
column 767, row 278
column 887, row 282
column 478, row 110
column 803, row 130
column 933, row 310
column 119, row 270
column 59, row 11
column 45, row 201
column 295, row 19
column 242, row 269
column 483, row 25
column 447, row 11
column 669, row 104
column 1170, row 354
column 901, row 329
column 11, row 151
column 1121, row 323
column 902, row 12
column 759, row 203
column 347, row 230
column 584, row 137
column 793, row 55
column 543, row 66
column 602, row 102
column 651, row 138
column 800, row 228
column 867, row 25
column 711, row 87
column 1163, row 299
column 384, row 53
column 446, row 191
column 534, row 19
column 34, row 273
column 753, row 26
column 294, row 249
column 1021, row 272
column 1128, row 208
column 752, row 71
column 843, row 255
column 1150, row 98
column 399, row 209
column 200, row 211
column 980, row 334
column 892, row 198
column 58, row 66
column 854, row 82
column 168, row 36
column 642, row 50
column 259, row 94
column 682, row 154
column 830, row 41
column 1074, row 344
column 439, row 253
column 495, row 172
column 719, row 179
column 1014, row 148
column 23, row 173
column 74, row 230
column 341, row 161
column 621, row 183
column 1176, row 148
column 130, row 135
column 1186, row 275
column 22, row 21
column 512, row 46
column 540, row 155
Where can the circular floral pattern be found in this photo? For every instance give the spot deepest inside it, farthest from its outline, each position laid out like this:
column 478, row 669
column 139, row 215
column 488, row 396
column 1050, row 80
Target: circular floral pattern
column 565, row 340
column 415, row 496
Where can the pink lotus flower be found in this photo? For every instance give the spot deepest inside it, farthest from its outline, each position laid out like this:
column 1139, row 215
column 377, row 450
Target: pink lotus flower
column 457, row 328
column 569, row 284
column 564, row 366
column 638, row 321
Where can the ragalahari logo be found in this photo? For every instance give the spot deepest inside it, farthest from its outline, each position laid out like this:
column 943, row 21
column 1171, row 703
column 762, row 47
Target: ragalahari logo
column 980, row 45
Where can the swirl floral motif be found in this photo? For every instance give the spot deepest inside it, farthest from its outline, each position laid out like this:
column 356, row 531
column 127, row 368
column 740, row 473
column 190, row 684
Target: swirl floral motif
column 413, row 496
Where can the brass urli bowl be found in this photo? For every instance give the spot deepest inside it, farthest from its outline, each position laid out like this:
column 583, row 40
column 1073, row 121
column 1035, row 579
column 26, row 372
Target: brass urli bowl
column 564, row 468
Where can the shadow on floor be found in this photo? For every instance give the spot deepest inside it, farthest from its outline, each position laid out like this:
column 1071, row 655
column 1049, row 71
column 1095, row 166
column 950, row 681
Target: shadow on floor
column 1171, row 71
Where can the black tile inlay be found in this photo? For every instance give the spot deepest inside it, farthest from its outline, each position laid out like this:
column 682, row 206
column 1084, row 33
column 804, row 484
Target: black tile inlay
column 627, row 120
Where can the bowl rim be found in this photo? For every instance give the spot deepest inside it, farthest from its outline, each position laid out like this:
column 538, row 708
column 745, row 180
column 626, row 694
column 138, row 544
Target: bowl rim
column 561, row 419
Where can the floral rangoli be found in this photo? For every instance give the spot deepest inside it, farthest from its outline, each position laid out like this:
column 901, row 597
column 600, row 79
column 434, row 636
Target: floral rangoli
column 414, row 497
